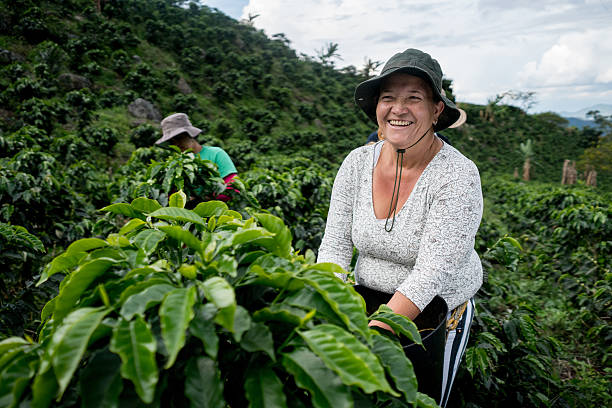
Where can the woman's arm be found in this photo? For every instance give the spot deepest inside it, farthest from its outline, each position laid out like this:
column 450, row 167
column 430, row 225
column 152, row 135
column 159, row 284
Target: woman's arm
column 337, row 243
column 446, row 262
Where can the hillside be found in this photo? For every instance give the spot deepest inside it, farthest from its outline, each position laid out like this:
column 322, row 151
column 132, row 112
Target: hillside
column 66, row 67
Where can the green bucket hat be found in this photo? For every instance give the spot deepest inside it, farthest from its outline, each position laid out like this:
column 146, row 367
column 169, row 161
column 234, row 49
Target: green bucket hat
column 413, row 62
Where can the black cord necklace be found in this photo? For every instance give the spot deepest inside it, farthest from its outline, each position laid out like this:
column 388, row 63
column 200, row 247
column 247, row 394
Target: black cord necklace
column 398, row 181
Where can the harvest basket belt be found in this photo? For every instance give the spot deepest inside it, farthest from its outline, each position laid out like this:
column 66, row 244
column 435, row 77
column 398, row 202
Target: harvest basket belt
column 455, row 317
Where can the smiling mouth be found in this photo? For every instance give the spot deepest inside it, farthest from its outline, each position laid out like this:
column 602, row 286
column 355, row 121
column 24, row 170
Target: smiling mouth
column 400, row 122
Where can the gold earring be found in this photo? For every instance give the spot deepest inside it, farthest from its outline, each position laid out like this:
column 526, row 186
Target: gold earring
column 380, row 134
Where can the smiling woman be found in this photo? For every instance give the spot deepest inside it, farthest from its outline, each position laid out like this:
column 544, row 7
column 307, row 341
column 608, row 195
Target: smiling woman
column 411, row 204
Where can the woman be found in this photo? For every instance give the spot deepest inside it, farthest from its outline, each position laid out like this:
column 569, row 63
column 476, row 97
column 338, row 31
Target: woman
column 178, row 130
column 411, row 204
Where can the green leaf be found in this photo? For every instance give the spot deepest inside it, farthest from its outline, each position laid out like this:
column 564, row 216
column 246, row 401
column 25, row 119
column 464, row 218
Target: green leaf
column 70, row 340
column 309, row 299
column 77, row 283
column 131, row 225
column 242, row 322
column 259, row 338
column 177, row 199
column 181, row 235
column 282, row 280
column 264, row 389
column 45, row 387
column 285, row 313
column 145, row 205
column 347, row 357
column 248, row 235
column 310, row 373
column 100, row 382
column 148, row 240
column 203, row 385
column 175, row 312
column 60, row 263
column 178, row 214
column 15, row 377
column 11, row 343
column 221, row 294
column 210, row 209
column 425, row 401
column 282, row 237
column 135, row 344
column 329, row 267
column 86, row 244
column 124, row 209
column 139, row 302
column 476, row 359
column 399, row 367
column 400, row 324
column 342, row 298
column 203, row 327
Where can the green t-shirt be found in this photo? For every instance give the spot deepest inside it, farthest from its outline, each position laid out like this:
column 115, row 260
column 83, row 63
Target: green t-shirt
column 218, row 156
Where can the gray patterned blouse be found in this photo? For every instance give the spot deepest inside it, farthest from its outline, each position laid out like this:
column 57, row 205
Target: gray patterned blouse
column 430, row 249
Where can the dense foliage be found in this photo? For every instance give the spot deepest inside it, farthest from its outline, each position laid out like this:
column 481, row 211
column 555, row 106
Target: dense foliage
column 71, row 142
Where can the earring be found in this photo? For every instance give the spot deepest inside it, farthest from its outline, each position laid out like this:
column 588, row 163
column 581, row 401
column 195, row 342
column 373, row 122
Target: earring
column 380, row 134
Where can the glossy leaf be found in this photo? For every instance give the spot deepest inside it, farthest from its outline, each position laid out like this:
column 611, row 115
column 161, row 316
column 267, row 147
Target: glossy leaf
column 60, row 263
column 70, row 340
column 178, row 214
column 136, row 346
column 342, row 298
column 221, row 294
column 212, row 208
column 282, row 280
column 139, row 302
column 347, row 357
column 148, row 239
column 203, row 327
column 203, row 385
column 425, row 401
column 310, row 373
column 397, row 365
column 259, row 338
column 124, row 209
column 283, row 313
column 145, row 205
column 131, row 225
column 100, row 383
column 282, row 237
column 177, row 199
column 12, row 343
column 175, row 312
column 14, row 378
column 264, row 389
column 77, row 283
column 183, row 236
column 400, row 324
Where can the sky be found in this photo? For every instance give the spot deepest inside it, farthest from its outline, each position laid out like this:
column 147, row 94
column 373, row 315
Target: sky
column 559, row 49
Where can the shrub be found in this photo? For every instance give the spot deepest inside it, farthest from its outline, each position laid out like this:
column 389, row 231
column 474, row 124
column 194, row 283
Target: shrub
column 181, row 307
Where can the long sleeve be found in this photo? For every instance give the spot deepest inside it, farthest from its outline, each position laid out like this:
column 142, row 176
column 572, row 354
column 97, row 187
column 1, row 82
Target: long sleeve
column 337, row 244
column 446, row 247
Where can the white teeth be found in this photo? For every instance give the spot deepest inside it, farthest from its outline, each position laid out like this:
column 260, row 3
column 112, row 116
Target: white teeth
column 400, row 122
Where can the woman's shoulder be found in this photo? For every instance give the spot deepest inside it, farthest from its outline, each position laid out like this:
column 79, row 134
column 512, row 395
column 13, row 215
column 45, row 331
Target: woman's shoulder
column 452, row 160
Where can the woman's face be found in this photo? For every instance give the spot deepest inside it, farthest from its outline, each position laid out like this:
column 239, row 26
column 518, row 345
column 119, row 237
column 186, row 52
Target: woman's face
column 405, row 109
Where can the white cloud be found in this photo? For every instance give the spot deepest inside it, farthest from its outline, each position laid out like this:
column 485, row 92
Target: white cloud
column 485, row 46
column 575, row 59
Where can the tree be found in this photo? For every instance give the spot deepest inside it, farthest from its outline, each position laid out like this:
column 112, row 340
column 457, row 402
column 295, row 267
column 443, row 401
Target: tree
column 328, row 53
column 524, row 99
column 369, row 67
column 527, row 151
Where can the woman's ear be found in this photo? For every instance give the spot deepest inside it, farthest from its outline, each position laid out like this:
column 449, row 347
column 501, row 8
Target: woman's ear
column 438, row 108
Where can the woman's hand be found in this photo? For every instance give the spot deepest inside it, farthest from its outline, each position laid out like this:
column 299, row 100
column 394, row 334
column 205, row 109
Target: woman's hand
column 376, row 323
